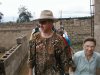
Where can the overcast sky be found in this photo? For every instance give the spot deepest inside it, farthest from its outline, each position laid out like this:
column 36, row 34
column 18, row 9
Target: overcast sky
column 69, row 8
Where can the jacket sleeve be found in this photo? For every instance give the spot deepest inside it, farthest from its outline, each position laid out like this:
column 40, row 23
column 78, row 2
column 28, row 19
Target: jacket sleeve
column 67, row 56
column 31, row 53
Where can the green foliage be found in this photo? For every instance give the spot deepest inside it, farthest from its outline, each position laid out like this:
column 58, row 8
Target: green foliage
column 1, row 16
column 24, row 15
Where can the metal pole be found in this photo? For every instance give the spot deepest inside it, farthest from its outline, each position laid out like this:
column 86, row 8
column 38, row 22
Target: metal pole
column 92, row 17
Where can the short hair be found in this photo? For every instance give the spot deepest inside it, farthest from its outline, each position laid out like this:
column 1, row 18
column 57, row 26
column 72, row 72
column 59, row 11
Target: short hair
column 90, row 39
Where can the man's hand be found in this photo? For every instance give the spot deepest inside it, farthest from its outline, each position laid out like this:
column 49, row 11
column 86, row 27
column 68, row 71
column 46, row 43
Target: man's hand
column 30, row 71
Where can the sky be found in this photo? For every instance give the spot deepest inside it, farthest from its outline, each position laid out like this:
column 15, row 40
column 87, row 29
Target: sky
column 60, row 8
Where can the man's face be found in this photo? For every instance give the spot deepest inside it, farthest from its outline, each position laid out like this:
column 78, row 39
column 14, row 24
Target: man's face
column 89, row 47
column 46, row 25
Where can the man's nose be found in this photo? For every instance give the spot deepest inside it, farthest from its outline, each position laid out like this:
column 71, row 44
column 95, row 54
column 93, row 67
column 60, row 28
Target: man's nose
column 89, row 48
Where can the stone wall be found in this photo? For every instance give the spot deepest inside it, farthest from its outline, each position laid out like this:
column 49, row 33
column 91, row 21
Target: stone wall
column 9, row 33
column 97, row 23
column 77, row 29
column 11, row 61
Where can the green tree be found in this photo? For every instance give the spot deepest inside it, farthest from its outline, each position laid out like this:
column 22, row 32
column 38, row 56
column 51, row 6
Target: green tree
column 1, row 16
column 24, row 15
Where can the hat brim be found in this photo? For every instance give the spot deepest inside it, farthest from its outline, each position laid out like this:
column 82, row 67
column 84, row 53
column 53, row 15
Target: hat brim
column 40, row 19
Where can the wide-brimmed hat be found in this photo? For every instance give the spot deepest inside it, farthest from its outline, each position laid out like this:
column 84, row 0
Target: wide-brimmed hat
column 46, row 14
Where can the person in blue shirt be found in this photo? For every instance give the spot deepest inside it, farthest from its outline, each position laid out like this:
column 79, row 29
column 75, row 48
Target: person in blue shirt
column 67, row 40
column 36, row 29
column 87, row 61
column 65, row 35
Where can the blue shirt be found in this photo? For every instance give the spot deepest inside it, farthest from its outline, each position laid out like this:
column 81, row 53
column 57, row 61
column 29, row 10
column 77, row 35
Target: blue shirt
column 85, row 67
column 67, row 38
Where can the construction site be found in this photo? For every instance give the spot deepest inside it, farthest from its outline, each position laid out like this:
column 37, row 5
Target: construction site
column 14, row 40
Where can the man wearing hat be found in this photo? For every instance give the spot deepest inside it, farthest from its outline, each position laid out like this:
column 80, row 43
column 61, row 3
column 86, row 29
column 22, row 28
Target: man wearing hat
column 47, row 55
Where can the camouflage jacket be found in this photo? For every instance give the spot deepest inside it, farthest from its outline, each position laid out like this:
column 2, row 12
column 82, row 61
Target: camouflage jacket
column 42, row 54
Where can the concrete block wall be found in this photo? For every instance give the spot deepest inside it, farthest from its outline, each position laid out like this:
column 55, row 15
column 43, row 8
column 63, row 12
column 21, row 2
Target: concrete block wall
column 11, row 61
column 9, row 33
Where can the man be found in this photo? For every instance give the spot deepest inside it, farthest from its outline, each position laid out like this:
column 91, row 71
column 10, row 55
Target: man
column 87, row 61
column 47, row 55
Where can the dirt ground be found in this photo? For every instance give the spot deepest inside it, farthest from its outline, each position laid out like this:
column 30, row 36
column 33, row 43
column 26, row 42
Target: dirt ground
column 24, row 69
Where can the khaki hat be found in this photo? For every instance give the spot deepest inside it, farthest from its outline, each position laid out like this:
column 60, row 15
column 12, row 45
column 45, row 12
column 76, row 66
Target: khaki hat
column 46, row 14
